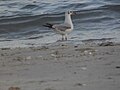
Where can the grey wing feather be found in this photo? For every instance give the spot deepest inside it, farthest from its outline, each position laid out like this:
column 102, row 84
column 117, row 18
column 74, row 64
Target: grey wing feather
column 61, row 27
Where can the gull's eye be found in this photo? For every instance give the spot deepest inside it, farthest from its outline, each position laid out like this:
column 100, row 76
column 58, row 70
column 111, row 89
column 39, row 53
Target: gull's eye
column 68, row 12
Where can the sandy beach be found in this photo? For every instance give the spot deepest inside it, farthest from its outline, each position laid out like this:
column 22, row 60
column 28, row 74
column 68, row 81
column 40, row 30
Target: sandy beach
column 34, row 57
column 61, row 67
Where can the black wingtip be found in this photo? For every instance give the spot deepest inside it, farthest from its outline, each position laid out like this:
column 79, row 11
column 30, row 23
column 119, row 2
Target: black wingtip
column 48, row 25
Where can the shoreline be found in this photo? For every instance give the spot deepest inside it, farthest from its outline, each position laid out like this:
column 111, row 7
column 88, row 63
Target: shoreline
column 61, row 66
column 51, row 41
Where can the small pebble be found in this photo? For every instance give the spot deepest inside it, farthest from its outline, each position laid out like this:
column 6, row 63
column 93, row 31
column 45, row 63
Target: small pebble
column 80, row 84
column 14, row 88
column 53, row 55
column 117, row 67
column 86, row 52
column 90, row 53
column 40, row 56
column 29, row 57
column 83, row 68
column 75, row 46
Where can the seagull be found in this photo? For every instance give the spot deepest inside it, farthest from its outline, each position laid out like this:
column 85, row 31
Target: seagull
column 65, row 28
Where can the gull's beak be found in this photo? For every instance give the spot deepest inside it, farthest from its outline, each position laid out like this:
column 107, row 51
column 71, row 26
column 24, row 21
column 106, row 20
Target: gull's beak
column 73, row 13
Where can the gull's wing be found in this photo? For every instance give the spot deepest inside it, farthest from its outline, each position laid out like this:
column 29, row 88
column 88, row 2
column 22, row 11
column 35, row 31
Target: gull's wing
column 61, row 27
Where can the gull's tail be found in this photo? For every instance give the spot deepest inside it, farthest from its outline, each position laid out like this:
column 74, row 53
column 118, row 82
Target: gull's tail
column 48, row 25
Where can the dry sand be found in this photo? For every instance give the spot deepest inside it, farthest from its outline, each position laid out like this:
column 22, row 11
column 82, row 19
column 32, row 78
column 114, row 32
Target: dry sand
column 61, row 67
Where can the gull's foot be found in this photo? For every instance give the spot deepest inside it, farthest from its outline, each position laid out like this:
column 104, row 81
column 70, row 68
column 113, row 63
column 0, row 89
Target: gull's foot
column 65, row 38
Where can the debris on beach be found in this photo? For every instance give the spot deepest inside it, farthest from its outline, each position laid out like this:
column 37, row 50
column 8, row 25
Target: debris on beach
column 5, row 48
column 83, row 68
column 117, row 67
column 76, row 46
column 39, row 48
column 106, row 44
column 14, row 88
column 53, row 55
column 28, row 58
column 49, row 88
column 44, row 47
column 80, row 84
column 40, row 56
column 86, row 51
column 18, row 58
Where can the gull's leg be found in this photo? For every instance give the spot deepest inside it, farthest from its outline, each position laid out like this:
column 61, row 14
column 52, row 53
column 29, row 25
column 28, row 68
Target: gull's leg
column 66, row 37
column 62, row 37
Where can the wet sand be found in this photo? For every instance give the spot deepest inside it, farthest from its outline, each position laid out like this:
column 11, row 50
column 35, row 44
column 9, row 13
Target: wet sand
column 61, row 67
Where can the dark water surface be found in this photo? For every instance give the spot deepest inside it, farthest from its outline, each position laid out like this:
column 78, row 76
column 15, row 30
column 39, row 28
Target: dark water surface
column 21, row 20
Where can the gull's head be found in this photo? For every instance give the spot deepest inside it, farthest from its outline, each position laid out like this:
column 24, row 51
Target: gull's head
column 69, row 13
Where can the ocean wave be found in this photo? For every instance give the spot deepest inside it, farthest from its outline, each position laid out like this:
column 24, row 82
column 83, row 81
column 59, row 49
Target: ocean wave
column 29, row 6
column 29, row 20
column 115, row 7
